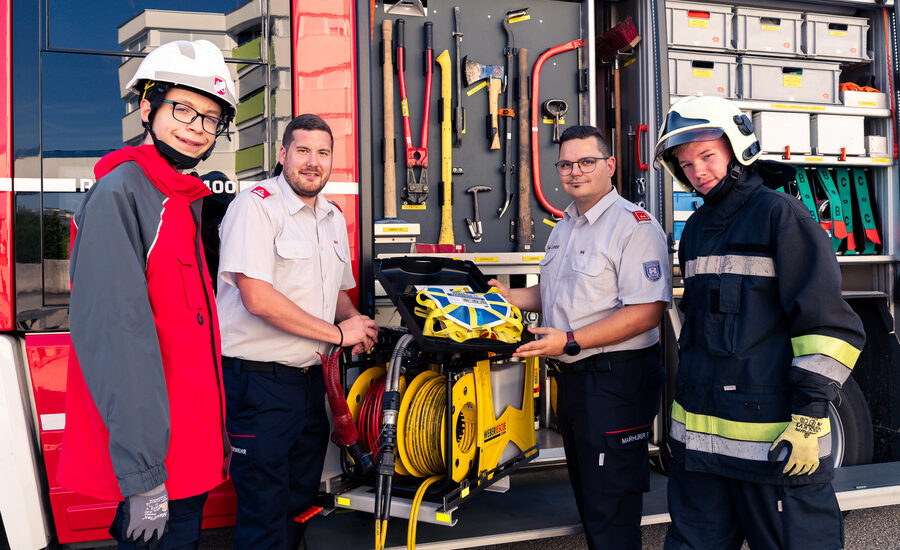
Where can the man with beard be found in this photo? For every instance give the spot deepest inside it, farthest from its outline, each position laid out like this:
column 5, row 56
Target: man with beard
column 284, row 270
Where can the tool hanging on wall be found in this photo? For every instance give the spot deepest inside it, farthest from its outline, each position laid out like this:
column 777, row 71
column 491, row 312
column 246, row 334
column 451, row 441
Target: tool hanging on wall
column 459, row 113
column 535, row 113
column 475, row 226
column 508, row 168
column 524, row 236
column 494, row 73
column 446, row 233
column 618, row 42
column 390, row 163
column 555, row 109
column 416, row 191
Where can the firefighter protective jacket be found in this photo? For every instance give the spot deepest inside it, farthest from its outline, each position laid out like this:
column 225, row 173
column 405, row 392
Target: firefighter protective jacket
column 144, row 403
column 766, row 332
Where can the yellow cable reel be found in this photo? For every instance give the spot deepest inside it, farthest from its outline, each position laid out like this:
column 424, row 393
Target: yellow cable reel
column 421, row 426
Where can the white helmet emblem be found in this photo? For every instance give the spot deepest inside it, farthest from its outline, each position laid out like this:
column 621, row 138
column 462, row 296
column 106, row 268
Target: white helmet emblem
column 219, row 86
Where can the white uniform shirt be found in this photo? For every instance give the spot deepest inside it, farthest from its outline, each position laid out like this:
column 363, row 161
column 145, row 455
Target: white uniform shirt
column 269, row 234
column 595, row 264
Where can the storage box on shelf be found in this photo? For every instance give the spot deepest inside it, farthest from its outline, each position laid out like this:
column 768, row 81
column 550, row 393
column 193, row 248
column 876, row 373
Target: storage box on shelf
column 799, row 81
column 778, row 131
column 835, row 37
column 874, row 100
column 702, row 74
column 698, row 25
column 768, row 32
column 838, row 134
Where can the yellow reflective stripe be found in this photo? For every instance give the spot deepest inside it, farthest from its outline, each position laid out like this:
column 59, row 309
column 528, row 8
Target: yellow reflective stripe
column 733, row 429
column 835, row 348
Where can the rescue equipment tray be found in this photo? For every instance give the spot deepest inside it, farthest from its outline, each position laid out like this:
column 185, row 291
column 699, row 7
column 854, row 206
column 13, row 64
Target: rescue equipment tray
column 402, row 277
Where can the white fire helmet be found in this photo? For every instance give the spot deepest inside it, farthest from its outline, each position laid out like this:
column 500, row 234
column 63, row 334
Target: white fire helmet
column 197, row 65
column 704, row 118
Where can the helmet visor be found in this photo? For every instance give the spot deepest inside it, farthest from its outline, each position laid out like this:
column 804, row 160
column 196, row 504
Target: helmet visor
column 687, row 136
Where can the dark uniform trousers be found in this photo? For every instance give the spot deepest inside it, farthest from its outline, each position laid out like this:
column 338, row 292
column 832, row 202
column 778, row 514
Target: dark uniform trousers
column 182, row 529
column 717, row 513
column 278, row 428
column 605, row 406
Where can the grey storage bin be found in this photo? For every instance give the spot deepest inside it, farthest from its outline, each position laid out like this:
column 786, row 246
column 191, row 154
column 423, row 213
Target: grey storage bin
column 777, row 130
column 702, row 74
column 835, row 37
column 831, row 133
column 697, row 25
column 768, row 32
column 788, row 80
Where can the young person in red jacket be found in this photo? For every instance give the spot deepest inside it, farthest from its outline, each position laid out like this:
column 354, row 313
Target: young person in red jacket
column 144, row 406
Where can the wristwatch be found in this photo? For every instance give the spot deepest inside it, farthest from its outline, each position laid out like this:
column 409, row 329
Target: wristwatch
column 571, row 348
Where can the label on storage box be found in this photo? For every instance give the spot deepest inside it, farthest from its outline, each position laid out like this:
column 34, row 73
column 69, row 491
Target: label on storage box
column 793, row 81
column 770, row 27
column 837, row 33
column 698, row 23
column 702, row 73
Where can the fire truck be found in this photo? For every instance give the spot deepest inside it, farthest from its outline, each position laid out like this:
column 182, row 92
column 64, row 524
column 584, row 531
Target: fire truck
column 819, row 80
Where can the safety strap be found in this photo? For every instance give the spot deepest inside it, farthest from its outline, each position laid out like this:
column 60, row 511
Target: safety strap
column 836, row 227
column 461, row 315
column 867, row 218
column 843, row 184
column 806, row 194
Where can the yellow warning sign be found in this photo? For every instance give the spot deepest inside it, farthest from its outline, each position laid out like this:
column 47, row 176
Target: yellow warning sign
column 793, row 81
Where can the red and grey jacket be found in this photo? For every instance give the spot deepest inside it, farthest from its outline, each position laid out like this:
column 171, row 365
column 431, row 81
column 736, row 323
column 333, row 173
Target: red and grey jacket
column 144, row 401
column 766, row 332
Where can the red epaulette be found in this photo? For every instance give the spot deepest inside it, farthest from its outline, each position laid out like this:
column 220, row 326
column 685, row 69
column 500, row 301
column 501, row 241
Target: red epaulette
column 260, row 192
column 641, row 216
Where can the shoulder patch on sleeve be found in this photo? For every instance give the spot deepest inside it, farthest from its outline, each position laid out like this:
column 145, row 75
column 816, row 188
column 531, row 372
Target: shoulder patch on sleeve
column 260, row 192
column 641, row 216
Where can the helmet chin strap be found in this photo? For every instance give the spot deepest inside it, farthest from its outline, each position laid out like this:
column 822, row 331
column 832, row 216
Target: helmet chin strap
column 735, row 169
column 177, row 159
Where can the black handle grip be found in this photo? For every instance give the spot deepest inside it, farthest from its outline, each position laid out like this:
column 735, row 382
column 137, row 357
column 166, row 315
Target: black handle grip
column 429, row 26
column 399, row 31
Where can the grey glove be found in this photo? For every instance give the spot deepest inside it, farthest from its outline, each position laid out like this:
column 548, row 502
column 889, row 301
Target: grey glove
column 147, row 515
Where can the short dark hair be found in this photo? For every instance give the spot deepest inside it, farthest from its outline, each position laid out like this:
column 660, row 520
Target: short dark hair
column 584, row 132
column 306, row 121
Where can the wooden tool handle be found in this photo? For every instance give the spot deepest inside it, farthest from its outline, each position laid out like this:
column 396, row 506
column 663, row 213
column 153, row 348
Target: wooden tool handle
column 493, row 94
column 523, row 235
column 620, row 156
column 390, row 163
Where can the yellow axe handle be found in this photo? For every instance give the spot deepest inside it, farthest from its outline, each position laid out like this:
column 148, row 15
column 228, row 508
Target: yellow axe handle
column 446, row 234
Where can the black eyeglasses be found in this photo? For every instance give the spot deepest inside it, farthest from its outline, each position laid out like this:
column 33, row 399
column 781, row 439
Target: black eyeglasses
column 586, row 165
column 186, row 115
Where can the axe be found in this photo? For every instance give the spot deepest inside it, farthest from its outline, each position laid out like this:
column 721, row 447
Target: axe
column 494, row 73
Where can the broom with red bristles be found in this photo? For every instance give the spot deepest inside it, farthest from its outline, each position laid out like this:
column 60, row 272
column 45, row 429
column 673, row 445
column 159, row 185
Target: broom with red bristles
column 610, row 44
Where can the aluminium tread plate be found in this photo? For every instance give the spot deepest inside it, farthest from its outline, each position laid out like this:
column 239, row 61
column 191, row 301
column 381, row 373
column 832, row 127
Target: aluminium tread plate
column 540, row 505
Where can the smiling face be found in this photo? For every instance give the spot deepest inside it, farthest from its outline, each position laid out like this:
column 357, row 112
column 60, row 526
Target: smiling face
column 704, row 163
column 586, row 189
column 189, row 139
column 307, row 163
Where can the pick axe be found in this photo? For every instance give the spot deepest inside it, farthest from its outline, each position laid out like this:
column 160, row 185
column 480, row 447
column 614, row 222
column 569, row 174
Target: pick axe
column 494, row 73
